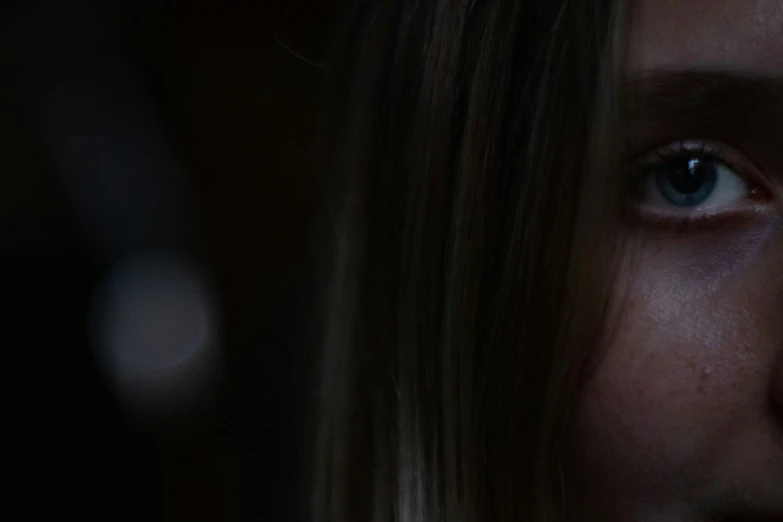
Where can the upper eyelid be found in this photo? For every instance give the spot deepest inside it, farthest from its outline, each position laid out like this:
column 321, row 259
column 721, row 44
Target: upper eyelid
column 737, row 107
column 684, row 148
column 740, row 162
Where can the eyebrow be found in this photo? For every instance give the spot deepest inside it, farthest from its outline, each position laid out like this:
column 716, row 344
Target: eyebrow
column 742, row 110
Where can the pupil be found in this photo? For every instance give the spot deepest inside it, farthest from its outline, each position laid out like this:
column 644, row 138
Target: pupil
column 690, row 176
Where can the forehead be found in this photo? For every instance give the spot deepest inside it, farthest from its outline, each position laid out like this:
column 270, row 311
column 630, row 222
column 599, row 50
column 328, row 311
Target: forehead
column 735, row 35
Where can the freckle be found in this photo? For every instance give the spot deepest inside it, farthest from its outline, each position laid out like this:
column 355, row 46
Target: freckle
column 703, row 377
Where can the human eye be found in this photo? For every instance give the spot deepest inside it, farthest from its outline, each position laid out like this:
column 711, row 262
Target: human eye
column 696, row 181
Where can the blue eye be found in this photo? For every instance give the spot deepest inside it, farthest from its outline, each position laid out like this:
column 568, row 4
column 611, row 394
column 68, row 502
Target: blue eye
column 689, row 182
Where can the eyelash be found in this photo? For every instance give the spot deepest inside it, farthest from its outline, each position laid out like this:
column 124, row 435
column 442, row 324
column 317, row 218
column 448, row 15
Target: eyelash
column 704, row 150
column 701, row 149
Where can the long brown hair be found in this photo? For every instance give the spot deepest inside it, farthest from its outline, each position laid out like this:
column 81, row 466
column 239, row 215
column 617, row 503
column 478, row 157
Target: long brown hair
column 476, row 180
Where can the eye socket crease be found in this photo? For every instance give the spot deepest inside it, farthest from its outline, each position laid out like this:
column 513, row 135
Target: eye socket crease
column 744, row 111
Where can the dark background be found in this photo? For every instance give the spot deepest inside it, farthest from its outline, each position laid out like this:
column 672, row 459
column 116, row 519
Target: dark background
column 237, row 100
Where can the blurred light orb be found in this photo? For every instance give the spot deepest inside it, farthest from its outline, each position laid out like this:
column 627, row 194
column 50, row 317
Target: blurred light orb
column 155, row 334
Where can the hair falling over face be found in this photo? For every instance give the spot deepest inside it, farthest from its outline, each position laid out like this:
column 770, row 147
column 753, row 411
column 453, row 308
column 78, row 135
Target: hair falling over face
column 476, row 180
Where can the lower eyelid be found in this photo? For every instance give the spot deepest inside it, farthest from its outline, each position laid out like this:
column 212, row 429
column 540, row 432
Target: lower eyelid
column 678, row 222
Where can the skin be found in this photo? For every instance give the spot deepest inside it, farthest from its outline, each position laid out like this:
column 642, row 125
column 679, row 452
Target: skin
column 683, row 418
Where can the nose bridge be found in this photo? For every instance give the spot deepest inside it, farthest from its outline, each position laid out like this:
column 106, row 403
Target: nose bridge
column 775, row 287
column 777, row 383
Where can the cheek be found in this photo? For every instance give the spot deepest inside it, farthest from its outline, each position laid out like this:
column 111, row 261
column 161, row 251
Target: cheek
column 677, row 379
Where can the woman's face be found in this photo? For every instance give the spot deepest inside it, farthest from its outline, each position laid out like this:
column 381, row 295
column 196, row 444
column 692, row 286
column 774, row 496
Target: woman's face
column 683, row 420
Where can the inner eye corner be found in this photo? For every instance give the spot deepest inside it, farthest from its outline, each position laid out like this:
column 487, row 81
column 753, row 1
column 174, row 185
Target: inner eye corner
column 758, row 192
